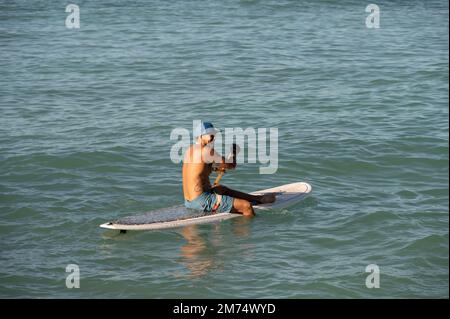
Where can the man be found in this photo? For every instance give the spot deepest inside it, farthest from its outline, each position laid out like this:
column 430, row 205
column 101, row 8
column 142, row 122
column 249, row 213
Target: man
column 198, row 192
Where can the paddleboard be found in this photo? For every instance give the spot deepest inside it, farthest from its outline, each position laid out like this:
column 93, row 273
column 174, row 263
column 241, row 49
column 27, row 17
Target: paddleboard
column 178, row 216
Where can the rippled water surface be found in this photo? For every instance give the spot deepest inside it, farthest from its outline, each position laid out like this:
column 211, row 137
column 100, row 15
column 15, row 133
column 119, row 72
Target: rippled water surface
column 362, row 115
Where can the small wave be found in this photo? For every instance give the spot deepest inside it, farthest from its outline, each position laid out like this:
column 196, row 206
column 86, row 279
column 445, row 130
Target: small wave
column 372, row 218
column 430, row 243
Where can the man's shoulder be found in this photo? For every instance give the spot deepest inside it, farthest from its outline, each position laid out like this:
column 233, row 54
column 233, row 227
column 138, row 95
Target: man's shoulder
column 195, row 148
column 193, row 154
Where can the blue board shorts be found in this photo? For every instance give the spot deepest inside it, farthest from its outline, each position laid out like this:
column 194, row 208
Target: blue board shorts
column 206, row 202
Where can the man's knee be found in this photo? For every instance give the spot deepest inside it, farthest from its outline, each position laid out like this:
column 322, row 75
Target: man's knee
column 242, row 206
column 247, row 209
column 247, row 205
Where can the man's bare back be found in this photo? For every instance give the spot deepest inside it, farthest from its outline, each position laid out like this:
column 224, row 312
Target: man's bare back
column 195, row 172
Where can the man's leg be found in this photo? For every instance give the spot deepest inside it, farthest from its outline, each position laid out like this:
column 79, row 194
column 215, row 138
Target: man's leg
column 242, row 206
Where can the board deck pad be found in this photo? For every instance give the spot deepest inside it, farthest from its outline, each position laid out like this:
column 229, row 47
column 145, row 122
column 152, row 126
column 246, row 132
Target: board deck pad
column 173, row 213
column 177, row 216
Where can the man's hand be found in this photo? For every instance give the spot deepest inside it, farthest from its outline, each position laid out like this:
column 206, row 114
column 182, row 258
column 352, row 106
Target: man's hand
column 222, row 167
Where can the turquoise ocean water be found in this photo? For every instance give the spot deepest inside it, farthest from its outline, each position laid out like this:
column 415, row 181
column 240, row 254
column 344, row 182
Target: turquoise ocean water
column 362, row 114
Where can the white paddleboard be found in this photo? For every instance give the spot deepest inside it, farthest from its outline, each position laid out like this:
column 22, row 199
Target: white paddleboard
column 177, row 216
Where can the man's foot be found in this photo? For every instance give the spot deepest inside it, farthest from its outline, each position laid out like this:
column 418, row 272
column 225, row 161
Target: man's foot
column 267, row 198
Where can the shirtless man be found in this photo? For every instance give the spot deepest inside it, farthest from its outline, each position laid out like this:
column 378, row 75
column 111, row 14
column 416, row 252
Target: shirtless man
column 198, row 192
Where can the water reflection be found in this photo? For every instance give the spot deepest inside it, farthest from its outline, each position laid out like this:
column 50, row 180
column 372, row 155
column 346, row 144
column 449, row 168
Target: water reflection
column 202, row 250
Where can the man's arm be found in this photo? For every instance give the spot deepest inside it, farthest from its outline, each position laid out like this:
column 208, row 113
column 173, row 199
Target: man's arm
column 211, row 156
